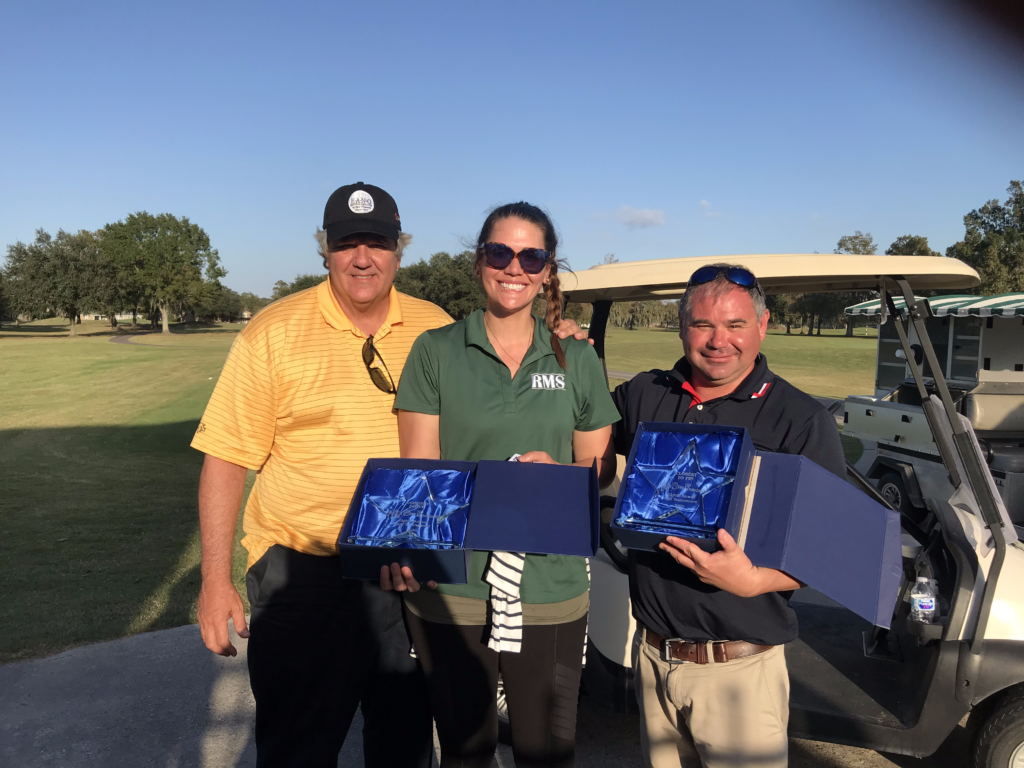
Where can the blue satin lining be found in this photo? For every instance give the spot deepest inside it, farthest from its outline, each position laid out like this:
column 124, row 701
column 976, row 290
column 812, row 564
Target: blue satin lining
column 413, row 509
column 680, row 483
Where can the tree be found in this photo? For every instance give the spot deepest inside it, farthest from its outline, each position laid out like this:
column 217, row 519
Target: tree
column 910, row 245
column 122, row 260
column 446, row 280
column 21, row 289
column 453, row 284
column 4, row 299
column 830, row 306
column 581, row 313
column 300, row 283
column 780, row 307
column 56, row 273
column 226, row 306
column 994, row 243
column 859, row 243
column 170, row 260
column 252, row 303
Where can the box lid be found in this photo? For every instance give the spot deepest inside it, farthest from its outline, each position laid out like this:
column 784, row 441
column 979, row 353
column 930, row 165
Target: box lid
column 542, row 509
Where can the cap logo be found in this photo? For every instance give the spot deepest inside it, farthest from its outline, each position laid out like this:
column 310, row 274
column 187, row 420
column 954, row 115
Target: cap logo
column 360, row 202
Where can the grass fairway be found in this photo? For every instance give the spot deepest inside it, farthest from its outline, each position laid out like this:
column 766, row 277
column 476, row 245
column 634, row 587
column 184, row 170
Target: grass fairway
column 829, row 365
column 98, row 527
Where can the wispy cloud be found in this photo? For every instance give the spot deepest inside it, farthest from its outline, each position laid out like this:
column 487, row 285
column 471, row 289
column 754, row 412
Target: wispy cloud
column 638, row 218
column 708, row 212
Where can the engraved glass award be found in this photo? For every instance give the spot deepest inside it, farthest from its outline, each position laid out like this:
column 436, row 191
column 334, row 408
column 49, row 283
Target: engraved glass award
column 425, row 509
column 680, row 483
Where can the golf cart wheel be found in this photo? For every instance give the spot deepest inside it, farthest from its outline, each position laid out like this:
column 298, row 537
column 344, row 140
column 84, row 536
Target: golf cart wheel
column 1000, row 740
column 894, row 490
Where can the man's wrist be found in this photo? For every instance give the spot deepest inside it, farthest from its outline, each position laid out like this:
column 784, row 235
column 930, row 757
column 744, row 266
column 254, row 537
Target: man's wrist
column 217, row 581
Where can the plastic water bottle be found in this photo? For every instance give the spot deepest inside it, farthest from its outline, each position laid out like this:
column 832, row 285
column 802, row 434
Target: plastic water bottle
column 923, row 601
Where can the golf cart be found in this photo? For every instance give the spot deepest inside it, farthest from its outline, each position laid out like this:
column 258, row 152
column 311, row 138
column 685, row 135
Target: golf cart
column 902, row 690
column 979, row 342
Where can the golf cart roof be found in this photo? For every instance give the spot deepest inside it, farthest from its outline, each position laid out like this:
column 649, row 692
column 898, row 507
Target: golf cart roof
column 777, row 272
column 1002, row 305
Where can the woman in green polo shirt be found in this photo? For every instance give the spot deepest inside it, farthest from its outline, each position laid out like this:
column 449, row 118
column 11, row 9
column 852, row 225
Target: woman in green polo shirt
column 493, row 385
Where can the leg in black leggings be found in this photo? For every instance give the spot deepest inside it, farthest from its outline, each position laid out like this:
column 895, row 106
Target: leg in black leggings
column 462, row 680
column 541, row 685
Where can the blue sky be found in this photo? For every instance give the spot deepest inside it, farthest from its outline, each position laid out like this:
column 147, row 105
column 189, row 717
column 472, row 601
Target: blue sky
column 648, row 130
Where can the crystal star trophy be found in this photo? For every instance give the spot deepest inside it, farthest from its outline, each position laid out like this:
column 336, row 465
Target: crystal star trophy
column 421, row 509
column 680, row 484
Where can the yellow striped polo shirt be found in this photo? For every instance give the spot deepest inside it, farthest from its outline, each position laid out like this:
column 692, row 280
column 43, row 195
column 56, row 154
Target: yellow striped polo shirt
column 295, row 402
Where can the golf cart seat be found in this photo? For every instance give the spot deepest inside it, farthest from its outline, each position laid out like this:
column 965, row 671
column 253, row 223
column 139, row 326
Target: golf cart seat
column 996, row 406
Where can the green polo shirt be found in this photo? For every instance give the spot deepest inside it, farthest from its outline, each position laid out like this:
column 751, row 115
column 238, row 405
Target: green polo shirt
column 454, row 372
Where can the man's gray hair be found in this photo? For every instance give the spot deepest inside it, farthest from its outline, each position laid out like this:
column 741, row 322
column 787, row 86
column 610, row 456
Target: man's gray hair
column 716, row 288
column 321, row 244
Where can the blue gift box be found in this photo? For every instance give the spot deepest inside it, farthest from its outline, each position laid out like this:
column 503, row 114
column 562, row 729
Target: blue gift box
column 788, row 513
column 514, row 507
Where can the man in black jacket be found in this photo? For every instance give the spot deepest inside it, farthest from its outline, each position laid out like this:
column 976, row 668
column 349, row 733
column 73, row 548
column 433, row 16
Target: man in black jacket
column 709, row 665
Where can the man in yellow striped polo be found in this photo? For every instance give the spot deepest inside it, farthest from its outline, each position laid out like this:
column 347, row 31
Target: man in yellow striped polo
column 305, row 397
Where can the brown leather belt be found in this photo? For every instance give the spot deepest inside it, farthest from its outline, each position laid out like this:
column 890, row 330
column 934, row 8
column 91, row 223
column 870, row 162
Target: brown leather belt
column 674, row 649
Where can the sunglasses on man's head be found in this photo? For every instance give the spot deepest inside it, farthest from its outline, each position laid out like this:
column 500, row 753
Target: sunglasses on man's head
column 376, row 375
column 736, row 275
column 499, row 256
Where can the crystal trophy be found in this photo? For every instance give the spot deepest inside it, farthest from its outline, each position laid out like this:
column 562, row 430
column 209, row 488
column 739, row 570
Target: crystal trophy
column 425, row 509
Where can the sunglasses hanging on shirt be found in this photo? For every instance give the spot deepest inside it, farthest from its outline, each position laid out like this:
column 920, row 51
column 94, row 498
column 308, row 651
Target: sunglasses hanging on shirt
column 499, row 256
column 376, row 375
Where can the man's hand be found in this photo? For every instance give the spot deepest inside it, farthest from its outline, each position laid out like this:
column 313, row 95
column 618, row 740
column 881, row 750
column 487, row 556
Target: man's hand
column 216, row 606
column 399, row 579
column 568, row 328
column 220, row 497
column 729, row 569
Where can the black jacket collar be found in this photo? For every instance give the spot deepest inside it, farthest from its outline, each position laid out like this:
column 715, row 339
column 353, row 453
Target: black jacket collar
column 751, row 387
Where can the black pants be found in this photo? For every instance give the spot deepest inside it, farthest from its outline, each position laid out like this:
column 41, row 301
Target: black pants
column 320, row 646
column 541, row 687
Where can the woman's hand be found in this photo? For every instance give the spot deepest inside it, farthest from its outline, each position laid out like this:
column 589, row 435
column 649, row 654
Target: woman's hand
column 537, row 457
column 399, row 579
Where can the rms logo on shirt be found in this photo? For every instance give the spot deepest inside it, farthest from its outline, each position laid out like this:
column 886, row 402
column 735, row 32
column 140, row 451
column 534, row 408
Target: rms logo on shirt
column 548, row 380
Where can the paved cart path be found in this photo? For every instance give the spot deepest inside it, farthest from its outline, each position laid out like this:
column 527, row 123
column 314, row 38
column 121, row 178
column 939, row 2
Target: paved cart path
column 161, row 699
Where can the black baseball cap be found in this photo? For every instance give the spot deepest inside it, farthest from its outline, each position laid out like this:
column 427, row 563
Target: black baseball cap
column 361, row 207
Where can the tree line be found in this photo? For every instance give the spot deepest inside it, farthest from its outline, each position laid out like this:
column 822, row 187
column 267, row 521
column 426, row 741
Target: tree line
column 161, row 265
column 145, row 265
column 993, row 244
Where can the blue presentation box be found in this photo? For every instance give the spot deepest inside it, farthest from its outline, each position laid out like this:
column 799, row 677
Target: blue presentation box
column 792, row 515
column 541, row 509
column 735, row 493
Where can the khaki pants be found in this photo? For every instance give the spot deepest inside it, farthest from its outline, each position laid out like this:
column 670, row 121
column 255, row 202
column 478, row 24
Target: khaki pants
column 729, row 715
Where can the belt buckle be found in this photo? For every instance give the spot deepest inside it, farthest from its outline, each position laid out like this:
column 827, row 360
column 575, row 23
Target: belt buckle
column 666, row 650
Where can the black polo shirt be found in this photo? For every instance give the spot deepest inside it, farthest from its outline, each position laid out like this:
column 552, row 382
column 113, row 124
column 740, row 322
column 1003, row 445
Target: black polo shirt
column 667, row 597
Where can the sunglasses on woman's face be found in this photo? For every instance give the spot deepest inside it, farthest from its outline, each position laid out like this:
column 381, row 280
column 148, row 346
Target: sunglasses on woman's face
column 499, row 256
column 735, row 275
